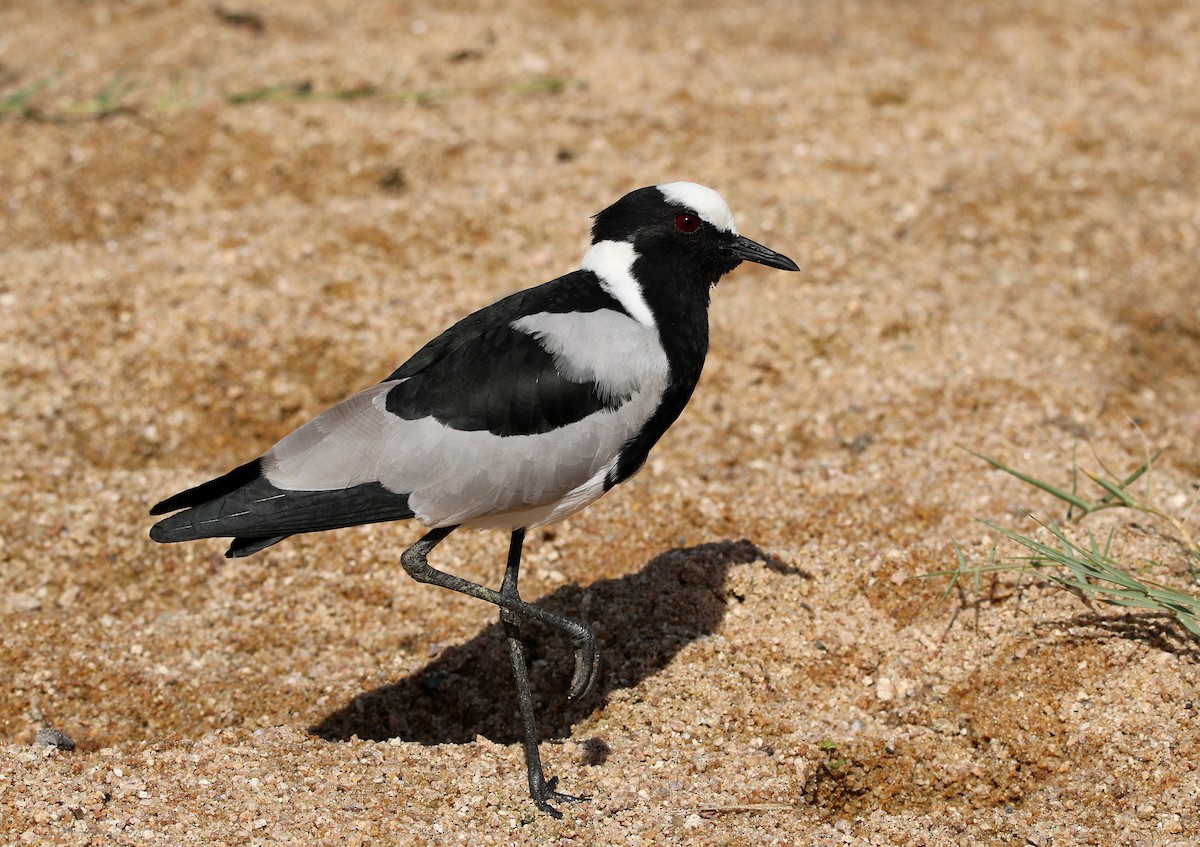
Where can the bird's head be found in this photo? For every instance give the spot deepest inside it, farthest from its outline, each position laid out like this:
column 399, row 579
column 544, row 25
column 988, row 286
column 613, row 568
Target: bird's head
column 681, row 230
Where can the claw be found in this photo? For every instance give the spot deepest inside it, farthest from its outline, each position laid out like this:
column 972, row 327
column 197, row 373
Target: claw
column 546, row 793
column 587, row 663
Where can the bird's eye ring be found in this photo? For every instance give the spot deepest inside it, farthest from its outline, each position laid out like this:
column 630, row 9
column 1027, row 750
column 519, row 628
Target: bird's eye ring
column 687, row 223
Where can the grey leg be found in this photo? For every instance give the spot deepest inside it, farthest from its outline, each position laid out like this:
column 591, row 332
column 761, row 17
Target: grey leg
column 541, row 789
column 512, row 610
column 587, row 660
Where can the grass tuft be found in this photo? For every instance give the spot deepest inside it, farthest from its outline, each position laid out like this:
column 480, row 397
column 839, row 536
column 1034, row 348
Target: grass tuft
column 23, row 104
column 20, row 103
column 28, row 103
column 300, row 92
column 1090, row 570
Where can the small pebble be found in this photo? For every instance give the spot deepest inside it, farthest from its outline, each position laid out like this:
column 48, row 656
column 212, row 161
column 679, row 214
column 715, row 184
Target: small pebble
column 53, row 738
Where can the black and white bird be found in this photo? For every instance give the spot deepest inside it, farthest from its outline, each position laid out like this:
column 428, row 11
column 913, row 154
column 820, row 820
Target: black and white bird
column 517, row 416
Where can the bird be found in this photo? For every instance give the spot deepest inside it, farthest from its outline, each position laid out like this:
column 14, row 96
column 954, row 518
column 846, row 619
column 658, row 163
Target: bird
column 517, row 416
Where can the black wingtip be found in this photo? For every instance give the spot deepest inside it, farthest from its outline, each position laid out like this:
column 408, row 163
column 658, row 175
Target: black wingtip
column 230, row 482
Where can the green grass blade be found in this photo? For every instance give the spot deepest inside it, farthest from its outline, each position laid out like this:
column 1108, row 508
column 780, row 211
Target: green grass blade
column 1115, row 491
column 959, row 571
column 1133, row 477
column 1062, row 494
column 1074, row 481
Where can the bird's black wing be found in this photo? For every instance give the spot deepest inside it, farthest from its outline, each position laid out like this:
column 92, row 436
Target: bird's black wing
column 483, row 374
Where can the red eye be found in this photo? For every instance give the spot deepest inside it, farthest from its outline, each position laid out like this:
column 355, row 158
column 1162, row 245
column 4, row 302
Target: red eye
column 687, row 223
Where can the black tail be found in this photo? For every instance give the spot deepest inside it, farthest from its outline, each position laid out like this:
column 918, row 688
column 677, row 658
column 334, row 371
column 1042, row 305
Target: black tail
column 243, row 504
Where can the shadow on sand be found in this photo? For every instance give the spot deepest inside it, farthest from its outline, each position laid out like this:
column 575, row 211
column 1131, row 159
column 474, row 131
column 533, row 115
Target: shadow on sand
column 642, row 621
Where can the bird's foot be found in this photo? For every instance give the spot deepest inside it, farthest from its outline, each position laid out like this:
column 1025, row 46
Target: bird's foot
column 587, row 662
column 544, row 793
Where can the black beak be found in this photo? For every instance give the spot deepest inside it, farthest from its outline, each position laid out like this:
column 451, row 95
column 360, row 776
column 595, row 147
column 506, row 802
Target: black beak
column 752, row 251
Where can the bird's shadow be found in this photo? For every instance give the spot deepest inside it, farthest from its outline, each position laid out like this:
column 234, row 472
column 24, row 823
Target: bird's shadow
column 642, row 621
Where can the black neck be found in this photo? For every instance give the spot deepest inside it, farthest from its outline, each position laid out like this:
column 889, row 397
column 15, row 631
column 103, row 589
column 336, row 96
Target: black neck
column 681, row 313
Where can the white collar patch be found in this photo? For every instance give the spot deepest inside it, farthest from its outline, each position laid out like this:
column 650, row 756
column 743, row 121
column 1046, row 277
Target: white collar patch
column 705, row 202
column 612, row 262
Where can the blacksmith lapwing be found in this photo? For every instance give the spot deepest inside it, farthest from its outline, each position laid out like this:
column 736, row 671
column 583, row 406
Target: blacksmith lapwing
column 515, row 417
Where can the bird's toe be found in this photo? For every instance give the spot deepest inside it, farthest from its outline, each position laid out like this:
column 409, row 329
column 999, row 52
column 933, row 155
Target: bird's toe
column 546, row 795
column 587, row 664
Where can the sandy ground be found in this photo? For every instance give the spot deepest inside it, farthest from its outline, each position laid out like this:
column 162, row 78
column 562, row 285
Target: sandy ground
column 215, row 225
